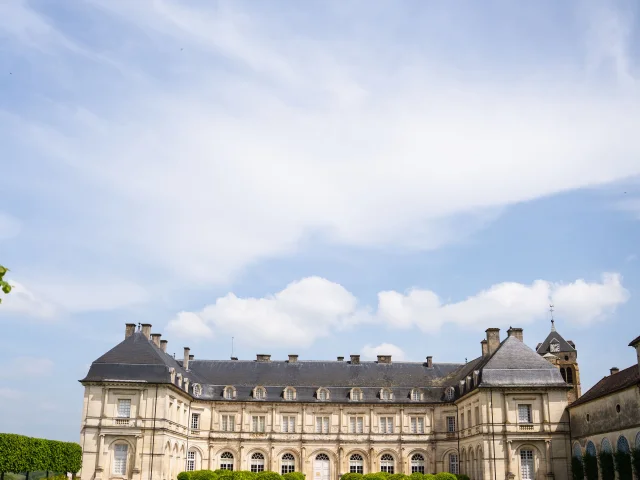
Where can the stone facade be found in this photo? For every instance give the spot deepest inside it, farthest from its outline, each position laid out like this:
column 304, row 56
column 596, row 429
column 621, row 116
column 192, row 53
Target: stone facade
column 489, row 418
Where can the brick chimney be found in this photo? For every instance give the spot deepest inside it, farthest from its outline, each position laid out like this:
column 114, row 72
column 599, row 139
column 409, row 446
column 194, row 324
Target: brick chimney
column 340, row 359
column 129, row 329
column 293, row 358
column 155, row 338
column 355, row 359
column 485, row 348
column 515, row 332
column 614, row 370
column 146, row 330
column 163, row 345
column 384, row 358
column 429, row 361
column 493, row 339
column 636, row 344
column 185, row 362
column 263, row 357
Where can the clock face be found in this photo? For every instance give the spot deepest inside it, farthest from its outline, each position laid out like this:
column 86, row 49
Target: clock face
column 555, row 347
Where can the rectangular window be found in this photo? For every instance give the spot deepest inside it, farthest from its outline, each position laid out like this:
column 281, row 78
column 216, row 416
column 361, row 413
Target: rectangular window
column 124, row 408
column 195, row 421
column 228, row 423
column 356, row 424
column 120, row 459
column 288, row 423
column 526, row 465
column 469, row 420
column 453, row 464
column 477, row 414
column 451, row 424
column 462, row 420
column 191, row 461
column 322, row 424
column 258, row 423
column 524, row 413
column 417, row 425
column 386, row 424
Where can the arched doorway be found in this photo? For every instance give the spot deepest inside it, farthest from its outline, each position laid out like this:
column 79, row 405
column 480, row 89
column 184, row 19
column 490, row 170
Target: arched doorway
column 321, row 467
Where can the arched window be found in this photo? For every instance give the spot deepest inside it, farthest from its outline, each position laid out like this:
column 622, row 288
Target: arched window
column 191, row 460
column 322, row 457
column 623, row 445
column 356, row 395
column 387, row 463
column 226, row 461
column 356, row 464
column 257, row 462
column 606, row 446
column 229, row 393
column 120, row 452
column 577, row 451
column 591, row 449
column 417, row 463
column 415, row 395
column 449, row 394
column 259, row 393
column 454, row 466
column 288, row 464
column 289, row 393
column 385, row 394
column 638, row 441
column 569, row 375
column 323, row 394
column 527, row 466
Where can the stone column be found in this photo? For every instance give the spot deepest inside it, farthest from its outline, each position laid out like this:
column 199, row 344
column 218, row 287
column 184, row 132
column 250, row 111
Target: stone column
column 372, row 454
column 340, row 457
column 137, row 464
column 510, row 474
column 210, row 463
column 99, row 457
column 549, row 459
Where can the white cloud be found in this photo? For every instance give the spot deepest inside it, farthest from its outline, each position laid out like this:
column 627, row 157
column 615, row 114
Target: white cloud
column 314, row 307
column 21, row 301
column 10, row 394
column 221, row 164
column 369, row 352
column 27, row 366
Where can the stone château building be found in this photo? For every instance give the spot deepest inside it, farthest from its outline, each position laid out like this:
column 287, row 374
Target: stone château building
column 500, row 416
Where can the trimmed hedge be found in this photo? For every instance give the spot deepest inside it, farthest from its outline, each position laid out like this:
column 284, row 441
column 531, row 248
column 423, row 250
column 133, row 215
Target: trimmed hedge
column 635, row 460
column 577, row 468
column 590, row 466
column 445, row 476
column 352, row 476
column 26, row 454
column 607, row 467
column 462, row 476
column 293, row 476
column 623, row 465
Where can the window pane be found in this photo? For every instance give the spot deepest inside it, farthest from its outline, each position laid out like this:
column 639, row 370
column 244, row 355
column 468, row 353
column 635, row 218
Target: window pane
column 120, row 459
column 124, row 408
column 524, row 413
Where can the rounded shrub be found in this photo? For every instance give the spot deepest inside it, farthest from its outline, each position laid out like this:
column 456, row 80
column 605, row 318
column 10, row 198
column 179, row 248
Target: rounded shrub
column 398, row 476
column 268, row 476
column 184, row 476
column 352, row 476
column 445, row 476
column 374, row 476
column 244, row 475
column 203, row 475
column 462, row 476
column 293, row 476
column 416, row 476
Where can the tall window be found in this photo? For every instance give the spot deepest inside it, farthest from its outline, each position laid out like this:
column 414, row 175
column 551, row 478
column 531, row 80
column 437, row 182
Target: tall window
column 120, row 459
column 226, row 461
column 322, row 424
column 323, row 394
column 191, row 461
column 288, row 423
column 386, row 424
column 288, row 464
column 356, row 395
column 386, row 463
column 417, row 463
column 228, row 393
column 453, row 464
column 524, row 413
column 462, row 420
column 259, row 393
column 356, row 464
column 385, row 394
column 258, row 423
column 289, row 393
column 477, row 415
column 417, row 424
column 356, row 424
column 449, row 394
column 124, row 408
column 451, row 424
column 526, row 465
column 257, row 462
column 415, row 395
column 228, row 423
column 195, row 421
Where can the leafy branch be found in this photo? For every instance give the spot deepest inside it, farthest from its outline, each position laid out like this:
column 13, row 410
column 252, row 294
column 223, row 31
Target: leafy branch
column 4, row 286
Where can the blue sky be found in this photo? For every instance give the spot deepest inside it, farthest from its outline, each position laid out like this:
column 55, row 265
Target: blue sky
column 320, row 178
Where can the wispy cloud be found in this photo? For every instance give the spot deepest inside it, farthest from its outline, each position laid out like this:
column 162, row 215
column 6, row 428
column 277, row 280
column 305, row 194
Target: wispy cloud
column 27, row 366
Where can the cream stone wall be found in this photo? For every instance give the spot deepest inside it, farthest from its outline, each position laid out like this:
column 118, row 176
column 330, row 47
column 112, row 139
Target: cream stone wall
column 487, row 446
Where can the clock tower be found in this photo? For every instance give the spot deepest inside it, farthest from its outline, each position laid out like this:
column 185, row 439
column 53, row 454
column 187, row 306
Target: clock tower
column 564, row 355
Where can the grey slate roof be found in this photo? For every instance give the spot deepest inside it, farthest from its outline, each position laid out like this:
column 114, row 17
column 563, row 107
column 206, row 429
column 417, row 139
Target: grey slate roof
column 554, row 335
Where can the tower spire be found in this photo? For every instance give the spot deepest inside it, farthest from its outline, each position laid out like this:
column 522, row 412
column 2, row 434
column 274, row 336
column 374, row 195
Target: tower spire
column 553, row 323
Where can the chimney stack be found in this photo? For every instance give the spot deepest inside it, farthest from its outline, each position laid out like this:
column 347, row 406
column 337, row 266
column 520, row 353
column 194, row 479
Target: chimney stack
column 340, row 359
column 262, row 357
column 146, row 330
column 485, row 348
column 429, row 362
column 614, row 370
column 493, row 339
column 515, row 332
column 384, row 358
column 163, row 345
column 191, row 357
column 636, row 344
column 185, row 362
column 355, row 359
column 129, row 329
column 155, row 338
column 293, row 358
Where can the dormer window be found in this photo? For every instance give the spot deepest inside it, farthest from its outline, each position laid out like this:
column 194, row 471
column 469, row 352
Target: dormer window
column 229, row 393
column 259, row 393
column 356, row 395
column 416, row 395
column 449, row 393
column 322, row 394
column 289, row 393
column 197, row 390
column 385, row 395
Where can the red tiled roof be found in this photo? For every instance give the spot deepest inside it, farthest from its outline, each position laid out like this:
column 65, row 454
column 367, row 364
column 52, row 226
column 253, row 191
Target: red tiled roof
column 612, row 383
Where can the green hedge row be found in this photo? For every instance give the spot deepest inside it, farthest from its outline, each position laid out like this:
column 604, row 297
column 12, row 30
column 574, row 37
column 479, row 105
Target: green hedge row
column 26, row 454
column 245, row 475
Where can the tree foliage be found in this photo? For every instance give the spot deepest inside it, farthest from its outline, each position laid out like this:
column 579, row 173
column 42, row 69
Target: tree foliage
column 623, row 465
column 635, row 460
column 4, row 286
column 26, row 454
column 590, row 466
column 577, row 468
column 607, row 467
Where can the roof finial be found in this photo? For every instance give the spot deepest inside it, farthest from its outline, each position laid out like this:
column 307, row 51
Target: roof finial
column 553, row 323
